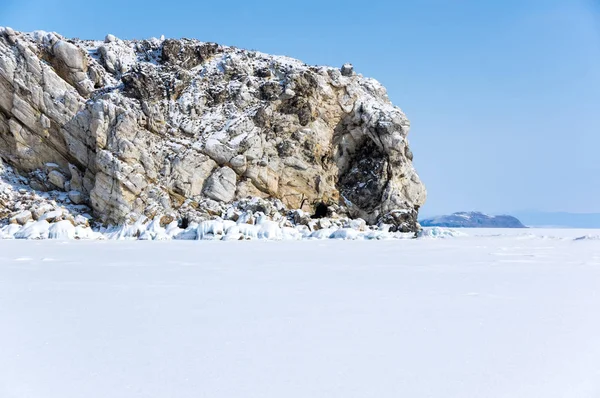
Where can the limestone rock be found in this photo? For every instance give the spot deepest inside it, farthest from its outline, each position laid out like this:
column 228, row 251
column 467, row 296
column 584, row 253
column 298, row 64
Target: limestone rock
column 21, row 218
column 71, row 64
column 39, row 211
column 71, row 55
column 53, row 216
column 221, row 185
column 57, row 179
column 76, row 197
column 148, row 127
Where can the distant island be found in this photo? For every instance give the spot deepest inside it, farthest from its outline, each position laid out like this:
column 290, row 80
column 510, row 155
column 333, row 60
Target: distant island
column 472, row 219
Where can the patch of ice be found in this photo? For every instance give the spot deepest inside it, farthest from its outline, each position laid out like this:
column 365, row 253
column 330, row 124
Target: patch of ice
column 588, row 237
column 214, row 229
column 322, row 233
column 190, row 233
column 438, row 232
column 345, row 234
column 248, row 231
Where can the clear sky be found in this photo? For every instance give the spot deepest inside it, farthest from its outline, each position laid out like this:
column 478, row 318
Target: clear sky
column 503, row 96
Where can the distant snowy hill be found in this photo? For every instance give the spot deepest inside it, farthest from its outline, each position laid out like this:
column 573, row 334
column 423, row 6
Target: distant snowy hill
column 472, row 220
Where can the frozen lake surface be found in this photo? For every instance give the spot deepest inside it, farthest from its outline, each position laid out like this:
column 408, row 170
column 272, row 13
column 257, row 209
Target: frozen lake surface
column 498, row 313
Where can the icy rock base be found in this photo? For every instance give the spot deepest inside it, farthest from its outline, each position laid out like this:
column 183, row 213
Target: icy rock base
column 218, row 229
column 29, row 214
column 263, row 228
column 26, row 213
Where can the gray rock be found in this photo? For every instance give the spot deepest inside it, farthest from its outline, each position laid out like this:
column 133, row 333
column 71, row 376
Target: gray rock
column 71, row 64
column 10, row 35
column 287, row 94
column 37, row 185
column 76, row 182
column 49, row 167
column 347, row 70
column 57, row 179
column 76, row 197
column 239, row 163
column 221, row 185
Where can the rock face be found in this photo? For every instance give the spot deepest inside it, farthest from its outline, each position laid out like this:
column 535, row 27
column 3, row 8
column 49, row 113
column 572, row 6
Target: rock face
column 472, row 220
column 157, row 126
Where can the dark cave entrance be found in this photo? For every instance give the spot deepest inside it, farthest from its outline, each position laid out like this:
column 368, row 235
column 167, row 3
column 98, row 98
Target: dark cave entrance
column 320, row 210
column 184, row 223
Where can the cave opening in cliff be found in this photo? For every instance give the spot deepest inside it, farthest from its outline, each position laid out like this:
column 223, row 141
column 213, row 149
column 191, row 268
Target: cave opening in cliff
column 320, row 210
column 183, row 223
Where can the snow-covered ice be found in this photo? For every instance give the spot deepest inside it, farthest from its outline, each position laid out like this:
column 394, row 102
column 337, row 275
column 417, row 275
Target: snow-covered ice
column 494, row 313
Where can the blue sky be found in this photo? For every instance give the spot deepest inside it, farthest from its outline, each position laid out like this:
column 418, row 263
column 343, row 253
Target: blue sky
column 503, row 96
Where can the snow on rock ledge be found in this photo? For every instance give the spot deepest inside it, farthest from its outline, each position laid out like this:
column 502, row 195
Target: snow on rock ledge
column 180, row 128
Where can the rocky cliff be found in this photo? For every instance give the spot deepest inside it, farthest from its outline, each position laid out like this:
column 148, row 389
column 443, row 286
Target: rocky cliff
column 173, row 127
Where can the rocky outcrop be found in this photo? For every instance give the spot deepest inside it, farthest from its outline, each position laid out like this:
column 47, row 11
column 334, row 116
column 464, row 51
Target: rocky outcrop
column 160, row 126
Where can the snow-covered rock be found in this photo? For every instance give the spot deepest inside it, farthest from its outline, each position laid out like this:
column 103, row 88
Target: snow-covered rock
column 137, row 128
column 245, row 219
column 9, row 231
column 61, row 230
column 472, row 220
column 34, row 230
column 270, row 230
column 22, row 218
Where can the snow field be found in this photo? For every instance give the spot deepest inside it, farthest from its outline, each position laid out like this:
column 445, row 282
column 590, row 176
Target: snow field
column 495, row 313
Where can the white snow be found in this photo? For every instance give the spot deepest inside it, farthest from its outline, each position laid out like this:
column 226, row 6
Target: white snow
column 498, row 313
